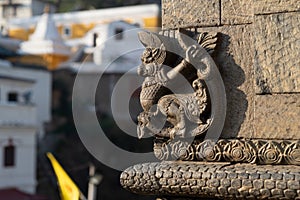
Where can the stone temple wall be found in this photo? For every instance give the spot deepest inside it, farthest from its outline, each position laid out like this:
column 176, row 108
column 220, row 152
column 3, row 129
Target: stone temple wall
column 258, row 155
column 258, row 55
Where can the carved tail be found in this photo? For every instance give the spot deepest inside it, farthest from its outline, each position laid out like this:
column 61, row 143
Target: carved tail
column 215, row 85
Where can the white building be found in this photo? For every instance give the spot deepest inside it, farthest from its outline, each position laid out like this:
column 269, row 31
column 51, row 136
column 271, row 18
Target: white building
column 18, row 125
column 113, row 47
column 10, row 9
column 74, row 25
column 114, row 51
column 41, row 90
column 47, row 43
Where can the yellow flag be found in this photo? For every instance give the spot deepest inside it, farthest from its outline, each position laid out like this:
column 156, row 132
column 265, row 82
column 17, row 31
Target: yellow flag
column 68, row 189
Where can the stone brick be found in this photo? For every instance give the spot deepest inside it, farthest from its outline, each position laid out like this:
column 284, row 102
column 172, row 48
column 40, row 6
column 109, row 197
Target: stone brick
column 223, row 190
column 276, row 192
column 253, row 176
column 236, row 11
column 258, row 184
column 233, row 191
column 265, row 192
column 254, row 192
column 226, row 182
column 293, row 185
column 236, row 183
column 277, row 116
column 277, row 176
column 277, row 47
column 275, row 6
column 290, row 194
column 234, row 57
column 269, row 184
column 289, row 177
column 187, row 13
column 247, row 183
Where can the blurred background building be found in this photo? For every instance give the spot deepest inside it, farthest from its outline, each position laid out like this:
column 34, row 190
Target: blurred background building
column 10, row 9
column 42, row 49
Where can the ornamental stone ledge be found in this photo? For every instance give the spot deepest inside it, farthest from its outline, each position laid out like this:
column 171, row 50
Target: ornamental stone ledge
column 259, row 151
column 213, row 180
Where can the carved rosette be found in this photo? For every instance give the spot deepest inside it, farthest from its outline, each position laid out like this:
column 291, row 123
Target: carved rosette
column 239, row 151
column 270, row 152
column 182, row 151
column 292, row 153
column 161, row 151
column 235, row 151
column 208, row 151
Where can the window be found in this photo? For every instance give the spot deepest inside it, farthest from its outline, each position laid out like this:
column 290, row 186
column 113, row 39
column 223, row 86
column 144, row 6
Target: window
column 95, row 37
column 9, row 155
column 67, row 31
column 119, row 33
column 12, row 97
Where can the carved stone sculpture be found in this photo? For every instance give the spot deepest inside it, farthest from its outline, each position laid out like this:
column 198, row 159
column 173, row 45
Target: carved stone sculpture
column 185, row 120
column 174, row 95
column 258, row 153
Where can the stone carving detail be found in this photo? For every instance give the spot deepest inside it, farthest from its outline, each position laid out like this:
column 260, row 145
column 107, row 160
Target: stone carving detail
column 236, row 151
column 161, row 151
column 182, row 150
column 270, row 152
column 239, row 151
column 292, row 153
column 213, row 180
column 177, row 90
column 208, row 151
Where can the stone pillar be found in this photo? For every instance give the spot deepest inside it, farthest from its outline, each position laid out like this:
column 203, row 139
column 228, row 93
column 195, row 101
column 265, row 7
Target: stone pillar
column 257, row 54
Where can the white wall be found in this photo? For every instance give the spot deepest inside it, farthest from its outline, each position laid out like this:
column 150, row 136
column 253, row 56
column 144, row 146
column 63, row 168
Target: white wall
column 22, row 175
column 18, row 115
column 18, row 123
column 41, row 95
column 19, row 112
column 110, row 48
column 7, row 86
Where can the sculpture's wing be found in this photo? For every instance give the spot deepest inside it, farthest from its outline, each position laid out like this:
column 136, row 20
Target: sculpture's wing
column 208, row 41
column 150, row 39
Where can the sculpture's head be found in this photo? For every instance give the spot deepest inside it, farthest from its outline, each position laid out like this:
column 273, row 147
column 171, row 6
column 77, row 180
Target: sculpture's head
column 155, row 51
column 151, row 61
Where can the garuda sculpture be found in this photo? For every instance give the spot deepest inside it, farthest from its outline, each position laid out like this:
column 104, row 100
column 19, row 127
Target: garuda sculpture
column 175, row 96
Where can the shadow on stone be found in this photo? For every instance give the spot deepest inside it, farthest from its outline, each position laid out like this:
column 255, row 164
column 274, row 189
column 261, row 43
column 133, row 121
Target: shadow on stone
column 233, row 77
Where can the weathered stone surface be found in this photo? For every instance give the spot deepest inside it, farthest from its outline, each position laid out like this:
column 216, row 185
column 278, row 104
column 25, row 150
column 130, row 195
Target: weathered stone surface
column 277, row 48
column 186, row 13
column 236, row 11
column 259, row 151
column 226, row 188
column 277, row 116
column 234, row 57
column 275, row 6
